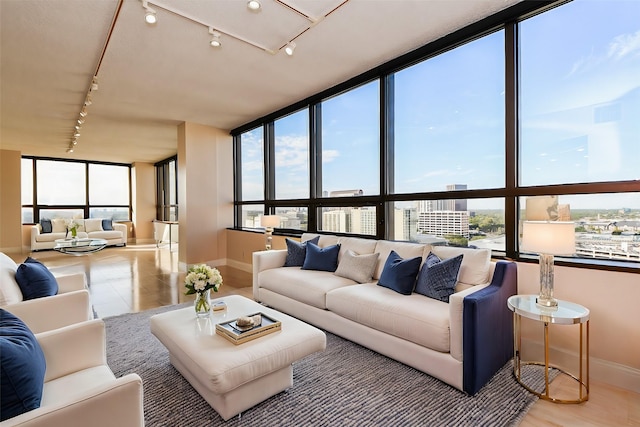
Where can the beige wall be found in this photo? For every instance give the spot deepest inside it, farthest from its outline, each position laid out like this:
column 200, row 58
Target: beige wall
column 143, row 179
column 205, row 193
column 611, row 297
column 10, row 201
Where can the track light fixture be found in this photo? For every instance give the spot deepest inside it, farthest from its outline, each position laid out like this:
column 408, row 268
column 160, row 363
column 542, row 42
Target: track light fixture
column 289, row 48
column 254, row 5
column 215, row 38
column 150, row 14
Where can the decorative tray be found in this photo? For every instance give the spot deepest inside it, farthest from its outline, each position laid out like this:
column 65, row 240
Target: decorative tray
column 239, row 335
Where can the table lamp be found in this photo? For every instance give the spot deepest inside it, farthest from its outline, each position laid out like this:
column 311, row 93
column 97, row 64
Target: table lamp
column 269, row 222
column 548, row 238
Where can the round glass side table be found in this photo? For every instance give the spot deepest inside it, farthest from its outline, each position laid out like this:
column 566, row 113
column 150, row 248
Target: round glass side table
column 566, row 313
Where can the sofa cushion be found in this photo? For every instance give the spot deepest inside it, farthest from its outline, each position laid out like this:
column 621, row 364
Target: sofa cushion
column 307, row 286
column 357, row 267
column 107, row 225
column 297, row 251
column 45, row 225
column 93, row 224
column 58, row 225
column 421, row 320
column 325, row 239
column 476, row 264
column 80, row 223
column 400, row 274
column 22, row 367
column 51, row 237
column 107, row 235
column 437, row 279
column 324, row 259
column 356, row 244
column 35, row 280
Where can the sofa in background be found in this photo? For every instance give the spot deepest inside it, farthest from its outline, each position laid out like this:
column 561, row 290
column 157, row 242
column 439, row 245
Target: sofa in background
column 68, row 306
column 462, row 342
column 44, row 235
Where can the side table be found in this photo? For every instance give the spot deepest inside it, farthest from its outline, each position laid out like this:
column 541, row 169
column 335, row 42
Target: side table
column 566, row 313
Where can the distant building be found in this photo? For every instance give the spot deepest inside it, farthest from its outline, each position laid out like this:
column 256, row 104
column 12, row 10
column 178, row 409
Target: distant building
column 444, row 217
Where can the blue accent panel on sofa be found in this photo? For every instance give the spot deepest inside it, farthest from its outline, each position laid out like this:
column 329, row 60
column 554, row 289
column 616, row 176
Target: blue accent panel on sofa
column 488, row 328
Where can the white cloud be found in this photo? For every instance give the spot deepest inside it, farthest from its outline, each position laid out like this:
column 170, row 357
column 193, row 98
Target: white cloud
column 292, row 151
column 329, row 155
column 624, row 45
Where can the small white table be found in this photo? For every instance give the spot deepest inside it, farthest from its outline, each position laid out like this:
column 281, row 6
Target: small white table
column 566, row 313
column 79, row 246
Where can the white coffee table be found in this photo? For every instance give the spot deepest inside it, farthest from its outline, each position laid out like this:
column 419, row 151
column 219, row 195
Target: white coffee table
column 233, row 378
column 79, row 246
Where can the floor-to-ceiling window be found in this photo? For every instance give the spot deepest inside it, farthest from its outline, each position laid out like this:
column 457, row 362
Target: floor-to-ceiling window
column 53, row 188
column 460, row 141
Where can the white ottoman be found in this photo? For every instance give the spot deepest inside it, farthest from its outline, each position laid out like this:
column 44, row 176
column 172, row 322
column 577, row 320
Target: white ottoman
column 233, row 378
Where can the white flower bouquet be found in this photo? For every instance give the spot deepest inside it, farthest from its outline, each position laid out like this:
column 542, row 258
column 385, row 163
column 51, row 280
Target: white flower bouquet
column 201, row 278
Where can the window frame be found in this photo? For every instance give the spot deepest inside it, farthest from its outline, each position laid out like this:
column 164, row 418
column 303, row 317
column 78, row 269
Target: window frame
column 86, row 207
column 507, row 20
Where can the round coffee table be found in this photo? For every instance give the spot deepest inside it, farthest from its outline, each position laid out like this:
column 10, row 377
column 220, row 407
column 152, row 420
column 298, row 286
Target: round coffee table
column 79, row 246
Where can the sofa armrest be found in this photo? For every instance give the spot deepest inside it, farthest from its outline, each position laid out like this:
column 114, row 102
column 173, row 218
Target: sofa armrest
column 488, row 328
column 121, row 228
column 35, row 232
column 45, row 314
column 116, row 403
column 73, row 348
column 71, row 282
column 265, row 260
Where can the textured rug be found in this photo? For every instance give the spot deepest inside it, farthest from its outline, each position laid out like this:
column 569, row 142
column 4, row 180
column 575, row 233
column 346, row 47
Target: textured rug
column 346, row 385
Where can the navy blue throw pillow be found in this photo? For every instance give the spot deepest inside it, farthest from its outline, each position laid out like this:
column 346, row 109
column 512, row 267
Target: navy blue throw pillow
column 35, row 280
column 107, row 225
column 22, row 367
column 323, row 259
column 296, row 252
column 46, row 225
column 400, row 274
column 438, row 278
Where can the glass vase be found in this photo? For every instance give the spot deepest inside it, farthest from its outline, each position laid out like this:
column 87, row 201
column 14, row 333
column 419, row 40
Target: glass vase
column 202, row 303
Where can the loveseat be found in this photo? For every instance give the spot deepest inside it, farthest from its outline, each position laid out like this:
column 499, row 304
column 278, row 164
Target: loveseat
column 45, row 234
column 69, row 305
column 462, row 342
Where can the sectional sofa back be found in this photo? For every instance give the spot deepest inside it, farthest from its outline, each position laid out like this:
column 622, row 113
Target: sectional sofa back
column 476, row 268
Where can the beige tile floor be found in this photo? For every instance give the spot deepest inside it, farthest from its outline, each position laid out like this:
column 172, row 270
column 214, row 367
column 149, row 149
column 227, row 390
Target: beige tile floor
column 141, row 277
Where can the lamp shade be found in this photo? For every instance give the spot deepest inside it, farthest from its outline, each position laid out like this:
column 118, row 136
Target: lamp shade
column 270, row 221
column 549, row 237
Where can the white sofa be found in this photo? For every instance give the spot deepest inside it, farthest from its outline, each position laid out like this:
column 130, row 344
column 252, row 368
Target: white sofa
column 79, row 388
column 463, row 342
column 71, row 305
column 115, row 237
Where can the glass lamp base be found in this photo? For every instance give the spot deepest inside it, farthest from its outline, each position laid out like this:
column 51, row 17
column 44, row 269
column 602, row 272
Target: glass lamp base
column 546, row 302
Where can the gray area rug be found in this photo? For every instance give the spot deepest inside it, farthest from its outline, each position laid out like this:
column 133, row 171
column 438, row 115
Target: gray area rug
column 346, row 385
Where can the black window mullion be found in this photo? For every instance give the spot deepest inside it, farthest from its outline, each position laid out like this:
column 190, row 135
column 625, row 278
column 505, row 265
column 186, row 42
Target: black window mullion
column 511, row 139
column 269, row 166
column 387, row 155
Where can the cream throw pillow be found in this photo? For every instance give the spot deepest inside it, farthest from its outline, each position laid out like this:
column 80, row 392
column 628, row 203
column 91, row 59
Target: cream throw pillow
column 58, row 225
column 93, row 225
column 357, row 267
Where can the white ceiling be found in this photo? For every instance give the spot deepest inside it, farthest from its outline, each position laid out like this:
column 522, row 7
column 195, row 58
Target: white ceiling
column 151, row 78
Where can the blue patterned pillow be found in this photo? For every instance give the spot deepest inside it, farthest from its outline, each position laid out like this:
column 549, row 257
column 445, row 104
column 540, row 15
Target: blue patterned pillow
column 437, row 278
column 400, row 274
column 296, row 252
column 322, row 259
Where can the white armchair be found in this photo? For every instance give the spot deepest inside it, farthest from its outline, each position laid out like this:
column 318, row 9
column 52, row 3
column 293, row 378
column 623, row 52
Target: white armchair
column 71, row 304
column 79, row 388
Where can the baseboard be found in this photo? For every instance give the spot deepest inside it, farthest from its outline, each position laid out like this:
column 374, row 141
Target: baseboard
column 601, row 370
column 183, row 266
column 240, row 265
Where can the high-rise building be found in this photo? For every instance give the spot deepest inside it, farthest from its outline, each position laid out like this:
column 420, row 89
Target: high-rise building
column 444, row 217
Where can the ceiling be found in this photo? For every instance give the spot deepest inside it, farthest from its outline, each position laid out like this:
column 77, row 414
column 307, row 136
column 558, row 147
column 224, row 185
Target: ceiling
column 153, row 77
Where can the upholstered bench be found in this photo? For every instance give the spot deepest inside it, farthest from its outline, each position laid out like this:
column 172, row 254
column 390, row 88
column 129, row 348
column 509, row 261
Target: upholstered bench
column 233, row 378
